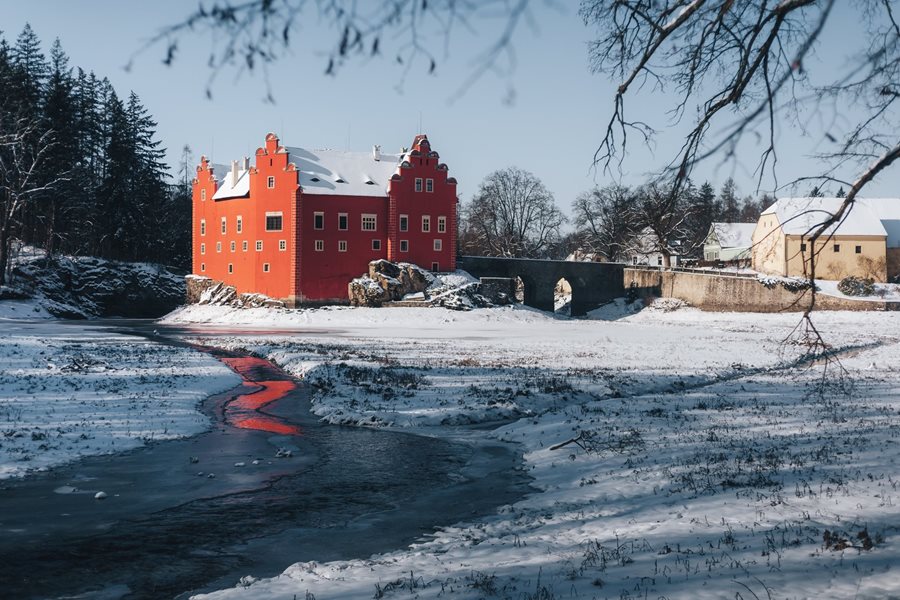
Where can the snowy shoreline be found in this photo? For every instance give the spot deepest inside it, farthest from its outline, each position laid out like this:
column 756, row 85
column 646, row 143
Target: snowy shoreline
column 712, row 469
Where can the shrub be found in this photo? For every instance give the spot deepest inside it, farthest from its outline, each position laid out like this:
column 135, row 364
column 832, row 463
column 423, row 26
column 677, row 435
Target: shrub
column 856, row 286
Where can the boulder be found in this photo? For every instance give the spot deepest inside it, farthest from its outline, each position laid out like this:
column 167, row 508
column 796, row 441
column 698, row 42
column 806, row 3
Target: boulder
column 387, row 281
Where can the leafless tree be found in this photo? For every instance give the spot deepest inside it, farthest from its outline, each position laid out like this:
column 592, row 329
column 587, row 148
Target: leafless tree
column 23, row 149
column 605, row 219
column 252, row 34
column 512, row 214
column 661, row 219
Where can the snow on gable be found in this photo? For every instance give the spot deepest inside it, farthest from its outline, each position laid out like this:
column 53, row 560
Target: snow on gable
column 801, row 216
column 734, row 235
column 229, row 189
column 332, row 172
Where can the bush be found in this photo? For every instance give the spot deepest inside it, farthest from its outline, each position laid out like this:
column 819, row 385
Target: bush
column 856, row 286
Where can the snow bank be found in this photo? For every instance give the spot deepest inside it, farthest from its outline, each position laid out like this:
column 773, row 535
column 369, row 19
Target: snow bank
column 68, row 391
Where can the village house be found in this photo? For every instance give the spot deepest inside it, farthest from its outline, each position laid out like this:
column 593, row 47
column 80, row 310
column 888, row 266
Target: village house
column 866, row 243
column 299, row 224
column 645, row 248
column 728, row 242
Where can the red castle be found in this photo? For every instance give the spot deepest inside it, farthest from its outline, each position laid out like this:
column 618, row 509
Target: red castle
column 300, row 224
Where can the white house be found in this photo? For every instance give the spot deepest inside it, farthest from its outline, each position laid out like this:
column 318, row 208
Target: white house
column 645, row 249
column 728, row 242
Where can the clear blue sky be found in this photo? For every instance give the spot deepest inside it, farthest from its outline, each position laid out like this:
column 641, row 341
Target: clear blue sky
column 552, row 127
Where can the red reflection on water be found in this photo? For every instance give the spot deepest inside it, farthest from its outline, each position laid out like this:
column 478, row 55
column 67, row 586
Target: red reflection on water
column 243, row 412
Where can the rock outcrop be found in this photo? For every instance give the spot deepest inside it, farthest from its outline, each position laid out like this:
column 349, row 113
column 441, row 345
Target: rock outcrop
column 203, row 290
column 387, row 281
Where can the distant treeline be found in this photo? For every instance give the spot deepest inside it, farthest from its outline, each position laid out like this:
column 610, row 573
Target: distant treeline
column 100, row 185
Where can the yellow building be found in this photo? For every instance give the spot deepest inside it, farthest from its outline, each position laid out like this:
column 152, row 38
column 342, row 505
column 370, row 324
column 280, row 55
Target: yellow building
column 866, row 243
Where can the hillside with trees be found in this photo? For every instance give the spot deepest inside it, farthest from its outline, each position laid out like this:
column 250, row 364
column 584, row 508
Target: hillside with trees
column 81, row 168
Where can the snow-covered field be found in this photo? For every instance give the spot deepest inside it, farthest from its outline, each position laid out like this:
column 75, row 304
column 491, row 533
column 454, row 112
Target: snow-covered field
column 71, row 390
column 710, row 460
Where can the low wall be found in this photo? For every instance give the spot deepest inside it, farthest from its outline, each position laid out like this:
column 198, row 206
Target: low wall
column 718, row 292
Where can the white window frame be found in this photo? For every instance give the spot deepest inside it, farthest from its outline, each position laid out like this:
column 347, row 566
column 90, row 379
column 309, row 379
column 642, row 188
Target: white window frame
column 429, row 185
column 276, row 213
column 233, row 246
column 418, row 184
column 342, row 245
column 202, row 248
column 442, row 224
column 376, row 242
column 282, row 245
column 202, row 267
column 218, row 246
column 438, row 245
column 426, row 223
column 266, row 267
column 259, row 245
column 203, row 195
column 374, row 221
column 244, row 245
column 270, row 182
column 400, row 223
column 239, row 227
column 230, row 268
column 404, row 245
column 320, row 245
column 346, row 218
column 319, row 213
column 224, row 225
column 202, row 226
column 435, row 267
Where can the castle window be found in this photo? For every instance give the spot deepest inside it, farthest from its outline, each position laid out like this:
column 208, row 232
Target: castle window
column 320, row 245
column 404, row 245
column 233, row 246
column 202, row 267
column 442, row 224
column 240, row 224
column 230, row 268
column 859, row 249
column 218, row 246
column 429, row 185
column 282, row 245
column 202, row 226
column 202, row 248
column 426, row 223
column 259, row 245
column 342, row 221
column 438, row 245
column 376, row 245
column 802, row 247
column 224, row 225
column 265, row 267
column 203, row 194
column 270, row 182
column 342, row 246
column 404, row 222
column 837, row 247
column 418, row 184
column 244, row 245
column 319, row 220
column 435, row 267
column 274, row 221
column 369, row 222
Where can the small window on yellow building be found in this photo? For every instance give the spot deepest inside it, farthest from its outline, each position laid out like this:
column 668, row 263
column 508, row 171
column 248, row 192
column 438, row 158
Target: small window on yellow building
column 837, row 247
column 859, row 249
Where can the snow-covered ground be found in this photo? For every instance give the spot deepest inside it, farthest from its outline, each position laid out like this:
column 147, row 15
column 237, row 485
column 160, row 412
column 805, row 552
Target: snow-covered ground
column 710, row 459
column 71, row 390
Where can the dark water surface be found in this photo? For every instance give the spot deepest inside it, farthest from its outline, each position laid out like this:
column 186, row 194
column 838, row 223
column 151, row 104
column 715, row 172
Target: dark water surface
column 167, row 528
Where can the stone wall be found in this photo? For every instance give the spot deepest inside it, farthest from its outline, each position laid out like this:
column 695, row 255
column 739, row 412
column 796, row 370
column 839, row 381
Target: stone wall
column 718, row 292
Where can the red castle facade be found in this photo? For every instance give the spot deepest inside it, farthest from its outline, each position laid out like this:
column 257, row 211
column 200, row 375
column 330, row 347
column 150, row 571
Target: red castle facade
column 300, row 224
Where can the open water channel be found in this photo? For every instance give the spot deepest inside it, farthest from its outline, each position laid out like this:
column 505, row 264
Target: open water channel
column 197, row 514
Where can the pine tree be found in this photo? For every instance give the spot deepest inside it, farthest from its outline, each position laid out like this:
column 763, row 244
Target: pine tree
column 730, row 209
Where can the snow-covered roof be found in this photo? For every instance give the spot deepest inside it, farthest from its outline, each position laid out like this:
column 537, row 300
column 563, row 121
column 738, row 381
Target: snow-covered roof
column 239, row 189
column 332, row 172
column 801, row 216
column 734, row 235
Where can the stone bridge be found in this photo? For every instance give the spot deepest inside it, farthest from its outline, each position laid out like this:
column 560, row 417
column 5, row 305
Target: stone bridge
column 592, row 283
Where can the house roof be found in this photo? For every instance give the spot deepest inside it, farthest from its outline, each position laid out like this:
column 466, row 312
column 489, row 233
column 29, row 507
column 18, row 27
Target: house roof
column 801, row 216
column 226, row 190
column 332, row 172
column 734, row 235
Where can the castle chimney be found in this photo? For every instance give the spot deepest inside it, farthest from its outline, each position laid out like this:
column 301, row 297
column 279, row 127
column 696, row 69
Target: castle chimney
column 234, row 173
column 246, row 164
column 376, row 152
